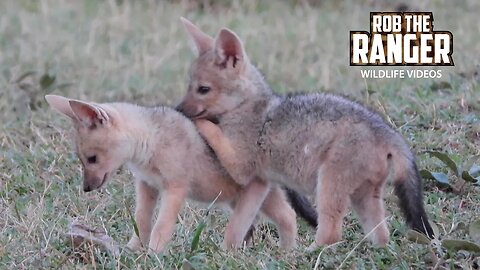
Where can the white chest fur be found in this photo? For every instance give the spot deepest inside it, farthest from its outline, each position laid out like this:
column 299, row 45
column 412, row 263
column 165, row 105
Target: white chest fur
column 151, row 178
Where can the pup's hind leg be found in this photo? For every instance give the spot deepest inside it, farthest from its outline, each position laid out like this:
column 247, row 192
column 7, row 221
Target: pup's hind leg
column 146, row 200
column 277, row 209
column 332, row 201
column 367, row 201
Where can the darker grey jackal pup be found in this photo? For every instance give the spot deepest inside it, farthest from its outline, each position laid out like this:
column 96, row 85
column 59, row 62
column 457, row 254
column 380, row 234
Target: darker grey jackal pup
column 317, row 144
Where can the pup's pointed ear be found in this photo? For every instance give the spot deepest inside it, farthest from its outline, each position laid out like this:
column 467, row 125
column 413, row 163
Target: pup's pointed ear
column 229, row 50
column 203, row 42
column 60, row 104
column 91, row 115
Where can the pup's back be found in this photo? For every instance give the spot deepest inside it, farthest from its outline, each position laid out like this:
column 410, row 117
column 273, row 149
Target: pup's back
column 180, row 152
column 350, row 140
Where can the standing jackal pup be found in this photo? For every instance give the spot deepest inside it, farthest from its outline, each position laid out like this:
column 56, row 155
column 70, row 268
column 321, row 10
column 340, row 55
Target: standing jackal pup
column 166, row 154
column 313, row 143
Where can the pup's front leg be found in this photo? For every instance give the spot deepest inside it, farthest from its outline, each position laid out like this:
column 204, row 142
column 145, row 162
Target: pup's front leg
column 277, row 209
column 171, row 203
column 224, row 150
column 146, row 200
column 244, row 213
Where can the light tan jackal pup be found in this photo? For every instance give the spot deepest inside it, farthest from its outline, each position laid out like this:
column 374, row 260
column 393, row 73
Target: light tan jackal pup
column 166, row 155
column 325, row 145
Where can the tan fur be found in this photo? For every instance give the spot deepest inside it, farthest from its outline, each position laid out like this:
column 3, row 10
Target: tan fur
column 166, row 155
column 320, row 144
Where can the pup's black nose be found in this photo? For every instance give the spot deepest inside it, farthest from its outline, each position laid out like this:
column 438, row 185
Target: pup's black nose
column 179, row 108
column 87, row 188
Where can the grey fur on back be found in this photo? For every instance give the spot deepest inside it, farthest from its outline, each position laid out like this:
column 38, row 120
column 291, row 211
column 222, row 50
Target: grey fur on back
column 292, row 133
column 286, row 123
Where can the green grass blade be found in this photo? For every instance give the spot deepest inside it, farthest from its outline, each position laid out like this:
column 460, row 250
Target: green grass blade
column 446, row 160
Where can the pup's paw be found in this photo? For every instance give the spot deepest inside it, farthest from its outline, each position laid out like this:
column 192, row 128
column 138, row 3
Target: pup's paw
column 314, row 246
column 154, row 251
column 155, row 247
column 135, row 243
column 208, row 130
column 229, row 245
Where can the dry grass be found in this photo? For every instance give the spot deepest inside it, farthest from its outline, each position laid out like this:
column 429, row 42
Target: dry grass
column 138, row 52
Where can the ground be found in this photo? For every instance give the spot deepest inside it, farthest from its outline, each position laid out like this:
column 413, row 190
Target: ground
column 138, row 52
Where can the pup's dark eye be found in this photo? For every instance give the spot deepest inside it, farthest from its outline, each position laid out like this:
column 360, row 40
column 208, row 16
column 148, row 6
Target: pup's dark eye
column 202, row 90
column 92, row 159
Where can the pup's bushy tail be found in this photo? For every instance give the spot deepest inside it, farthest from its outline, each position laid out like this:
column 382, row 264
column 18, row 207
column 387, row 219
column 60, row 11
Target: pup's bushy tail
column 409, row 189
column 302, row 207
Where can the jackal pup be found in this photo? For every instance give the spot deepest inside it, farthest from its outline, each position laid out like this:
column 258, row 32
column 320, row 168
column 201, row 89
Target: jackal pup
column 166, row 154
column 321, row 144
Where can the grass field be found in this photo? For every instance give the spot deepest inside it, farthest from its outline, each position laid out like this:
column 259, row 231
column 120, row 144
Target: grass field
column 138, row 52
